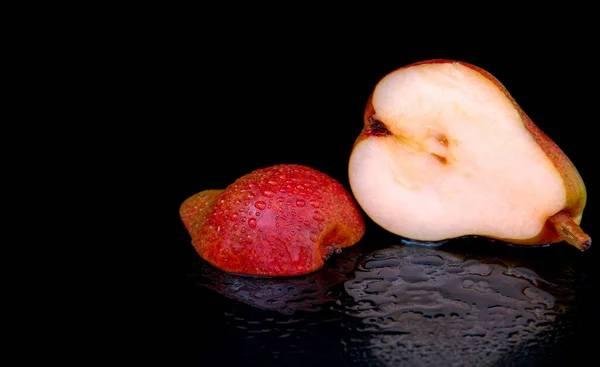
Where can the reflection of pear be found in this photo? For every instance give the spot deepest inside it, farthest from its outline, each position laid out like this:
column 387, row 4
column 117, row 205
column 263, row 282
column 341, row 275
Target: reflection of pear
column 447, row 152
column 273, row 321
column 283, row 294
column 420, row 306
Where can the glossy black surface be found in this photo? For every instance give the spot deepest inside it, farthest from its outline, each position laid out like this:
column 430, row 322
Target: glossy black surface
column 468, row 302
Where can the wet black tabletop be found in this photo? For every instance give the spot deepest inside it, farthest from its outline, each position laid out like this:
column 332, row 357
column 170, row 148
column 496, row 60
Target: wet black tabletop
column 387, row 303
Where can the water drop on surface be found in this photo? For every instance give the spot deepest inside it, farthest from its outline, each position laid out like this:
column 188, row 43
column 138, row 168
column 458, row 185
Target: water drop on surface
column 300, row 203
column 252, row 222
column 423, row 243
column 428, row 260
column 260, row 205
column 234, row 217
column 318, row 216
column 268, row 193
column 314, row 204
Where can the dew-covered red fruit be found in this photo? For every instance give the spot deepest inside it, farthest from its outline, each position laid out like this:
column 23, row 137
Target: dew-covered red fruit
column 282, row 220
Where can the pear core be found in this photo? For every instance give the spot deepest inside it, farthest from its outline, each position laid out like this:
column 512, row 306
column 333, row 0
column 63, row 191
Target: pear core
column 457, row 161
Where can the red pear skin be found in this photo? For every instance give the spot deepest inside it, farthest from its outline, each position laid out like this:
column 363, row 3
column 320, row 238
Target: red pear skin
column 564, row 225
column 283, row 220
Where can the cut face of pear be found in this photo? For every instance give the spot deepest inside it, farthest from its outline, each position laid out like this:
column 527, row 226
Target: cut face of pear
column 445, row 153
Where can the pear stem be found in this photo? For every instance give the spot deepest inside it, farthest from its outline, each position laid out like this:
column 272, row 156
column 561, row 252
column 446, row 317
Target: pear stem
column 569, row 231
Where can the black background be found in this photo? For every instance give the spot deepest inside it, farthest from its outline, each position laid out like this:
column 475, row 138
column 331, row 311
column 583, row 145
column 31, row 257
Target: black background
column 205, row 108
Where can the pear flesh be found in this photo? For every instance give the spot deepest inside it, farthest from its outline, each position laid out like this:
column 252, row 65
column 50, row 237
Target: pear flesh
column 446, row 152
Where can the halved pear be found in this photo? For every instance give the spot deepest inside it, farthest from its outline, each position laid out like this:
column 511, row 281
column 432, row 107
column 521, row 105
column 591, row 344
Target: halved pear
column 447, row 152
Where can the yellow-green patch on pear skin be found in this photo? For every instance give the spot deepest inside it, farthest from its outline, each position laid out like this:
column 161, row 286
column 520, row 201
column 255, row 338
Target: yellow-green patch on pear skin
column 193, row 210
